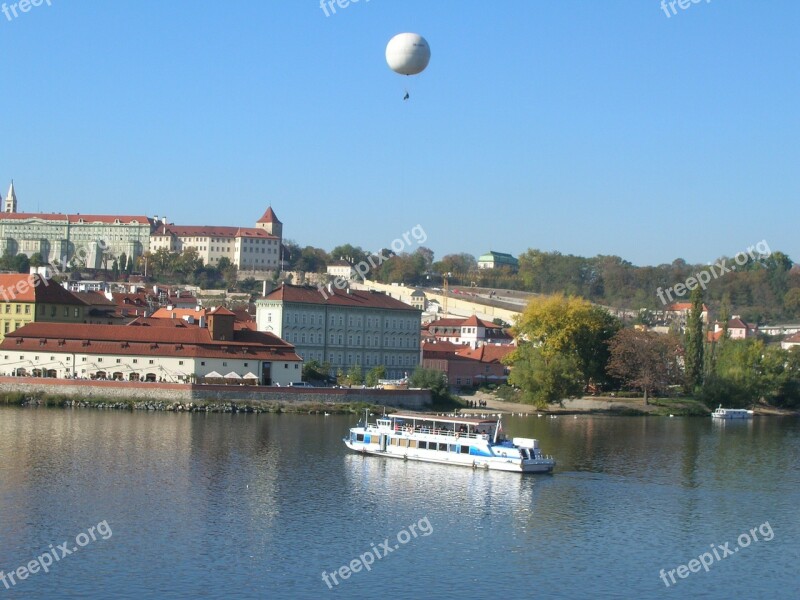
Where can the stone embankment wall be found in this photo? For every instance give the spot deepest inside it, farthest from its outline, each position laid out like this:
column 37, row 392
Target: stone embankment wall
column 184, row 393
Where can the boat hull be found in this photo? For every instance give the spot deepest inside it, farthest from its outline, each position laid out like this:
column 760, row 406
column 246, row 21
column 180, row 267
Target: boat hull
column 492, row 463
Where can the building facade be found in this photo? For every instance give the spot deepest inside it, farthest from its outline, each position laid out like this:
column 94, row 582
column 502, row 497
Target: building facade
column 32, row 298
column 174, row 353
column 344, row 328
column 495, row 260
column 257, row 248
column 94, row 240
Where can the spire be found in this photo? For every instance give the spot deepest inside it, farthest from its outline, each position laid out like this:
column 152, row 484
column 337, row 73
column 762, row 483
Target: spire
column 11, row 200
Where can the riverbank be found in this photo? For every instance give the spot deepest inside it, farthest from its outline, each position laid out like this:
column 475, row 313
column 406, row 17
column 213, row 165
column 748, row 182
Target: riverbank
column 201, row 398
column 607, row 405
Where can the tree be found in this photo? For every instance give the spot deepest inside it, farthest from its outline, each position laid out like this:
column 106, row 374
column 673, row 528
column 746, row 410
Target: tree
column 748, row 371
column 115, row 270
column 36, row 260
column 314, row 371
column 695, row 342
column 21, row 263
column 123, row 263
column 355, row 376
column 567, row 325
column 545, row 378
column 353, row 254
column 430, row 379
column 644, row 360
column 374, row 375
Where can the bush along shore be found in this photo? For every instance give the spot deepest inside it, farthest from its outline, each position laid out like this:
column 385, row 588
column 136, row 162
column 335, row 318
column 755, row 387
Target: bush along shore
column 59, row 401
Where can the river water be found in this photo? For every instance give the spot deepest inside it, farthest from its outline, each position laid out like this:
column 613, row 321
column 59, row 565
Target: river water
column 162, row 505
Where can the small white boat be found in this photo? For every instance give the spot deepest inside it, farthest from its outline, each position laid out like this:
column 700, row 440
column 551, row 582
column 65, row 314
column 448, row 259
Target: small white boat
column 475, row 443
column 731, row 413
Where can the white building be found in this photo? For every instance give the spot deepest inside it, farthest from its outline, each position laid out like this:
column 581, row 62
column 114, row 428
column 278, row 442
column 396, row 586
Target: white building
column 342, row 269
column 171, row 351
column 256, row 247
column 344, row 328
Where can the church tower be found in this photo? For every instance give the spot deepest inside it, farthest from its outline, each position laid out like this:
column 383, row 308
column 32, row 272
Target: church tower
column 11, row 200
column 270, row 223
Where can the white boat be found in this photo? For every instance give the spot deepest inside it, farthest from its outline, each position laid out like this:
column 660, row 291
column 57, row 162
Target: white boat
column 731, row 413
column 466, row 442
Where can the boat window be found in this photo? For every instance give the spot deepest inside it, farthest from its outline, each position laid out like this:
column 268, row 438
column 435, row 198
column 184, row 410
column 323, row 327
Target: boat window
column 359, row 437
column 442, row 447
column 413, row 443
column 464, row 449
column 453, row 448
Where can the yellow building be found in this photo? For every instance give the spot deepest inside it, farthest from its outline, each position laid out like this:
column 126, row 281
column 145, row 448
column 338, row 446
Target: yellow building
column 33, row 298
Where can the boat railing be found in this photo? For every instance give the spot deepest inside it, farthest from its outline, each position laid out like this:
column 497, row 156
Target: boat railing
column 372, row 428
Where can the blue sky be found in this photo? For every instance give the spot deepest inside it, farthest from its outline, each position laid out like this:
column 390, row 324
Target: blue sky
column 588, row 127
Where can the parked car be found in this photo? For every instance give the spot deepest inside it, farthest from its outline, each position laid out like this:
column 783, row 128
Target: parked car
column 301, row 384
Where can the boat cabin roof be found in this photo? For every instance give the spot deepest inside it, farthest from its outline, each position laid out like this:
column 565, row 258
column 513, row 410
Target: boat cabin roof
column 438, row 419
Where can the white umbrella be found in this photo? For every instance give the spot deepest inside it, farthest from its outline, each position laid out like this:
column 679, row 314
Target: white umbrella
column 233, row 375
column 213, row 375
column 251, row 376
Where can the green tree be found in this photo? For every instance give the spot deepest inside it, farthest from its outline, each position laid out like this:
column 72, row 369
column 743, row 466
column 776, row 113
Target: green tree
column 37, row 260
column 115, row 270
column 544, row 378
column 430, row 379
column 695, row 343
column 355, row 375
column 571, row 326
column 314, row 371
column 21, row 263
column 123, row 263
column 374, row 375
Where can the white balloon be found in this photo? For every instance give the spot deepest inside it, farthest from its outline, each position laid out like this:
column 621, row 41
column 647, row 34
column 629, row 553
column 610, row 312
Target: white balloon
column 408, row 54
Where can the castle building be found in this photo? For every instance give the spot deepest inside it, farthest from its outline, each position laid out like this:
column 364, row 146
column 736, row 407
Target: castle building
column 59, row 237
column 96, row 239
column 257, row 248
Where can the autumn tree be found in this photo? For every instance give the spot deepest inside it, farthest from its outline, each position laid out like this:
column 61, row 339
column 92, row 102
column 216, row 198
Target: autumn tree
column 644, row 360
column 562, row 347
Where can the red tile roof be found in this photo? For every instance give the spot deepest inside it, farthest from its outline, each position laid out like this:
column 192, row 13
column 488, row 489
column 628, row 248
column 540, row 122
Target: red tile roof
column 19, row 287
column 679, row 306
column 487, row 353
column 73, row 219
column 178, row 313
column 336, row 297
column 142, row 340
column 269, row 217
column 218, row 231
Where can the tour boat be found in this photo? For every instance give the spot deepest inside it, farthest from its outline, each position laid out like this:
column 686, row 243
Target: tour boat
column 731, row 413
column 476, row 443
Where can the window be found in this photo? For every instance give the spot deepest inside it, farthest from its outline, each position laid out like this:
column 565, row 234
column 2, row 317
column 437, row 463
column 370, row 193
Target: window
column 150, row 362
column 296, row 366
column 18, row 308
column 224, row 364
column 98, row 360
column 135, row 360
column 27, row 309
column 180, row 362
column 119, row 361
column 285, row 365
column 202, row 363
